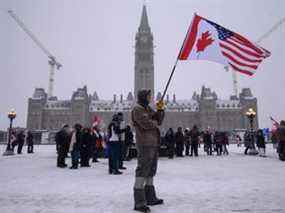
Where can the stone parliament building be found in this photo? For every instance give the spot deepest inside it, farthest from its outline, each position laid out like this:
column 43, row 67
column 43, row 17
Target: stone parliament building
column 204, row 109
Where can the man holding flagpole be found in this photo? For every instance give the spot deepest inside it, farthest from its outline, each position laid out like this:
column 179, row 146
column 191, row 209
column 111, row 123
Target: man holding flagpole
column 146, row 122
column 205, row 40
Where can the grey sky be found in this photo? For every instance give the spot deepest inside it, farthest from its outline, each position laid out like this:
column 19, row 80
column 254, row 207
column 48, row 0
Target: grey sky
column 94, row 41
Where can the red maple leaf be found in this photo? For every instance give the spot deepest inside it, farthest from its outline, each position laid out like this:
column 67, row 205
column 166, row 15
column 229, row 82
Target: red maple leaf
column 204, row 41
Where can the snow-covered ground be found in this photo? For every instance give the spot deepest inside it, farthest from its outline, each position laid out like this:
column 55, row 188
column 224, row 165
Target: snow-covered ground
column 207, row 184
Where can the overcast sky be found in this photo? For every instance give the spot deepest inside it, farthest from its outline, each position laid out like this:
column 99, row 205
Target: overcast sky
column 94, row 40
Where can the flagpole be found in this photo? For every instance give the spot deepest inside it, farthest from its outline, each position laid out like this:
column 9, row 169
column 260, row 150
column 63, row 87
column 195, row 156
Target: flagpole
column 174, row 67
column 168, row 82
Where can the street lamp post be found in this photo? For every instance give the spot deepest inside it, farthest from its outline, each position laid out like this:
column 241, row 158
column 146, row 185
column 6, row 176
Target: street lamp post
column 251, row 114
column 9, row 150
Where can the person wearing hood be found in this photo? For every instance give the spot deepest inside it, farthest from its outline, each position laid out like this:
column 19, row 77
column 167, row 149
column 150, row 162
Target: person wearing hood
column 21, row 141
column 30, row 142
column 85, row 147
column 187, row 141
column 129, row 140
column 62, row 140
column 194, row 134
column 280, row 133
column 247, row 141
column 260, row 142
column 114, row 144
column 179, row 142
column 122, row 142
column 96, row 137
column 170, row 143
column 208, row 143
column 146, row 121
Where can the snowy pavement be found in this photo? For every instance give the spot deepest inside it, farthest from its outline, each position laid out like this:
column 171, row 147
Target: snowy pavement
column 207, row 184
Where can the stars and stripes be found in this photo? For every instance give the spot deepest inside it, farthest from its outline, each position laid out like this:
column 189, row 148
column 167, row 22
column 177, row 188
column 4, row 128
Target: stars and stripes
column 242, row 55
column 237, row 51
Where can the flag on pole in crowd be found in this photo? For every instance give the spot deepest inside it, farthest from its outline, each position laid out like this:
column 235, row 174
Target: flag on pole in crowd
column 96, row 121
column 275, row 124
column 207, row 40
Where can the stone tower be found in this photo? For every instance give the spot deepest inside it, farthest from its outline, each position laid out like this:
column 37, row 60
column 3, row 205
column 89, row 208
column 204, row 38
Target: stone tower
column 144, row 67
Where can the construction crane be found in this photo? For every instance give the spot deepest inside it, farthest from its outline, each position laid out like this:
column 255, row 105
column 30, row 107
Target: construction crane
column 51, row 59
column 263, row 37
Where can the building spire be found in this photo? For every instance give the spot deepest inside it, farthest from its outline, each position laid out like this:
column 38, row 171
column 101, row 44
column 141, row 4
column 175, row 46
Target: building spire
column 144, row 19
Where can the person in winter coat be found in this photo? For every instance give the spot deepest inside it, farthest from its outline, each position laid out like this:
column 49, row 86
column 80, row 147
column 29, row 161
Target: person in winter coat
column 247, row 141
column 179, row 142
column 30, row 142
column 207, row 138
column 260, row 142
column 218, row 140
column 225, row 143
column 114, row 145
column 21, row 141
column 95, row 140
column 122, row 141
column 170, row 143
column 62, row 140
column 146, row 122
column 85, row 147
column 129, row 141
column 13, row 140
column 194, row 134
column 75, row 145
column 187, row 140
column 238, row 140
column 280, row 133
column 274, row 140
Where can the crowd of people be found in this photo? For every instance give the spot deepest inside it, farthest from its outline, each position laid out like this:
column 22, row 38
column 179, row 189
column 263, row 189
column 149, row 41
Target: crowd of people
column 21, row 139
column 86, row 144
column 186, row 142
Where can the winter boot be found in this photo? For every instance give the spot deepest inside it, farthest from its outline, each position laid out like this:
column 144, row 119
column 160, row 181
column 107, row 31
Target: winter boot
column 151, row 196
column 140, row 201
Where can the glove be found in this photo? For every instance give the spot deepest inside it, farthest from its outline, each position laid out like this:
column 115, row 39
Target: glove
column 160, row 105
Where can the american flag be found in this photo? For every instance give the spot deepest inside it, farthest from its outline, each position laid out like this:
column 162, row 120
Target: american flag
column 241, row 54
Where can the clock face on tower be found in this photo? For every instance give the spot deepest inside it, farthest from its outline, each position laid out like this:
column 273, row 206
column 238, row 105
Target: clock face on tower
column 143, row 39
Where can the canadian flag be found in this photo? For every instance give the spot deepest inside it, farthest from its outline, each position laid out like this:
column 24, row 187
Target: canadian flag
column 207, row 40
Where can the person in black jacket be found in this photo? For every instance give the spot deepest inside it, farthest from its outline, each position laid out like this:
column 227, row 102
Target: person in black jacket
column 95, row 138
column 280, row 135
column 129, row 141
column 62, row 139
column 21, row 141
column 30, row 142
column 75, row 146
column 13, row 139
column 260, row 142
column 207, row 138
column 187, row 139
column 114, row 145
column 247, row 141
column 194, row 134
column 85, row 147
column 122, row 144
column 170, row 143
column 218, row 140
column 225, row 143
column 179, row 142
